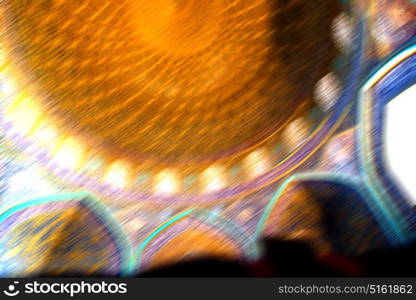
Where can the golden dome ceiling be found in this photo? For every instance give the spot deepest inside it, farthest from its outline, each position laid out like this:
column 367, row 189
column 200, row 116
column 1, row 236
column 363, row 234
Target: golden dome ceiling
column 174, row 80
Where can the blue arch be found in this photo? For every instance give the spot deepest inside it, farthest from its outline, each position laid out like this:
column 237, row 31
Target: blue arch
column 95, row 206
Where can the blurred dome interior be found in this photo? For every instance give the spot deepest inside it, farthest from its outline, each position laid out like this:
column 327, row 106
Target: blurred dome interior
column 171, row 81
column 136, row 133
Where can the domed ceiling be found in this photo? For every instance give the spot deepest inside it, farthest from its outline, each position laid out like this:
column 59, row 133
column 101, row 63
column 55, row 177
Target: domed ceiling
column 169, row 82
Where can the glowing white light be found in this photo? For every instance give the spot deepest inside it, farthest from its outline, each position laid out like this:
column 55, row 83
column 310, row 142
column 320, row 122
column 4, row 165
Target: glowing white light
column 23, row 115
column 69, row 154
column 117, row 174
column 7, row 87
column 343, row 32
column 166, row 183
column 45, row 136
column 257, row 162
column 213, row 179
column 29, row 183
column 400, row 142
column 327, row 91
column 295, row 133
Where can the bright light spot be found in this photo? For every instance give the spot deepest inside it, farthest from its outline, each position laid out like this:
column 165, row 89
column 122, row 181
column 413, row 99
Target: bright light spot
column 7, row 86
column 327, row 91
column 28, row 184
column 257, row 163
column 23, row 115
column 45, row 136
column 117, row 174
column 213, row 179
column 166, row 182
column 400, row 142
column 295, row 133
column 69, row 154
column 343, row 32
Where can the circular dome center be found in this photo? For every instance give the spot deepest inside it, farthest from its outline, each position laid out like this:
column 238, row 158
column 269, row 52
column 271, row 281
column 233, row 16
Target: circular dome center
column 178, row 26
column 174, row 80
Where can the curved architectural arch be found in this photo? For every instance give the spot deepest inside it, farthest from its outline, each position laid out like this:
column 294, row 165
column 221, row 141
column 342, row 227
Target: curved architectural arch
column 206, row 224
column 364, row 203
column 378, row 90
column 58, row 228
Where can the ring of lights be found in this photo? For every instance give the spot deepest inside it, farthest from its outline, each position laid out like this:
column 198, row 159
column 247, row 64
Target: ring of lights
column 118, row 171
